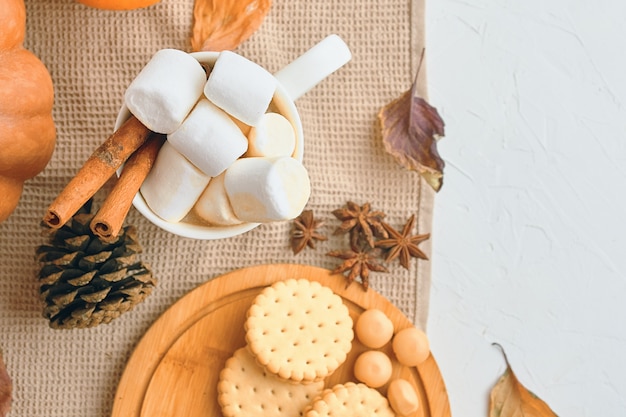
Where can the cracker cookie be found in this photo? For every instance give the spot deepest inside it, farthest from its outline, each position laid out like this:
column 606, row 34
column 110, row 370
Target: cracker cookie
column 349, row 400
column 299, row 330
column 246, row 389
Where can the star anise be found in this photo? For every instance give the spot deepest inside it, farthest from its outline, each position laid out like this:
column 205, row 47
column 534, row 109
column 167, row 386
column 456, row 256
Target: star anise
column 360, row 220
column 402, row 245
column 304, row 231
column 359, row 261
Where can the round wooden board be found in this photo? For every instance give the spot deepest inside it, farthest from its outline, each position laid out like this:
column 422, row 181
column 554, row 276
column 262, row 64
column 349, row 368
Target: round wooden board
column 175, row 367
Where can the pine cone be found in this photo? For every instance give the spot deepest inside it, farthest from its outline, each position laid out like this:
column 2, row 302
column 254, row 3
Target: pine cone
column 84, row 281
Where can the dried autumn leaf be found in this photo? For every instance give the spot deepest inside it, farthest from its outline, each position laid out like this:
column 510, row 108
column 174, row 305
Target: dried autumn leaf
column 410, row 129
column 5, row 389
column 509, row 398
column 224, row 24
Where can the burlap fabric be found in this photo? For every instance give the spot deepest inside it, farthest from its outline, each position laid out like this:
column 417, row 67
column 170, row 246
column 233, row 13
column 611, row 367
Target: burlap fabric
column 92, row 56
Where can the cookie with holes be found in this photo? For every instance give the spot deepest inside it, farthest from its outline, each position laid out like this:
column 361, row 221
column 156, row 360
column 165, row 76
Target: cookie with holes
column 246, row 389
column 299, row 330
column 349, row 400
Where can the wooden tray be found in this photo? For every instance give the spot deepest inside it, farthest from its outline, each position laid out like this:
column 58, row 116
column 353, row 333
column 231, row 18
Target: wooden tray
column 175, row 367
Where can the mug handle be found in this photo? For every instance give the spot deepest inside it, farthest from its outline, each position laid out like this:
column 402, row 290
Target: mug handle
column 306, row 71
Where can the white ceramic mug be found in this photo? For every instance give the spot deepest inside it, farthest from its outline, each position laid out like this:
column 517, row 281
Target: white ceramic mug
column 294, row 80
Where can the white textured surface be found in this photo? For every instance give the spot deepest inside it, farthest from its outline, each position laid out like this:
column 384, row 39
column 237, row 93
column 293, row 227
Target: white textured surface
column 530, row 247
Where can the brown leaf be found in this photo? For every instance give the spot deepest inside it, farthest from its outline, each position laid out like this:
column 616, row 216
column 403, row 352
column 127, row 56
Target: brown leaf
column 224, row 24
column 410, row 129
column 6, row 389
column 509, row 398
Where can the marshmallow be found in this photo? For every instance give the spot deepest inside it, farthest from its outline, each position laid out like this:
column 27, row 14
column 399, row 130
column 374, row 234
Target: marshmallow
column 240, row 87
column 209, row 138
column 272, row 136
column 173, row 185
column 267, row 189
column 213, row 205
column 165, row 90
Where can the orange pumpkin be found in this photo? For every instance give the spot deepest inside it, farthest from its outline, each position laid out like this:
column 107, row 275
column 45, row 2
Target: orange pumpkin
column 118, row 4
column 27, row 131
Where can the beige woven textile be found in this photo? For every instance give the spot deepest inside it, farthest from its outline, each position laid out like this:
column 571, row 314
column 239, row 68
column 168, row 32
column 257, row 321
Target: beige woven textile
column 92, row 56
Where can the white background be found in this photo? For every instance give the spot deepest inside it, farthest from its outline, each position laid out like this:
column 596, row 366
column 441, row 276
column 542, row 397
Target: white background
column 530, row 226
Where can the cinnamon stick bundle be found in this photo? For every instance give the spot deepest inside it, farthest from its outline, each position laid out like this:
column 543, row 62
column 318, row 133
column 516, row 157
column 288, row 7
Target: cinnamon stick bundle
column 108, row 221
column 100, row 166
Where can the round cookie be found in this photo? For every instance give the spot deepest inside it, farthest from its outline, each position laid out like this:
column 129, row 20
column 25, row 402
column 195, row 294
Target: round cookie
column 373, row 328
column 411, row 346
column 402, row 397
column 245, row 389
column 373, row 368
column 299, row 330
column 349, row 400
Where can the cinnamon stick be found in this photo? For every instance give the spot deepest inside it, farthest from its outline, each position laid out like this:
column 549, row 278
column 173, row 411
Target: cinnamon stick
column 100, row 166
column 107, row 223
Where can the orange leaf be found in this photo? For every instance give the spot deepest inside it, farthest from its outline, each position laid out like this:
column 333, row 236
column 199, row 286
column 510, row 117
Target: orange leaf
column 224, row 24
column 410, row 129
column 509, row 398
column 5, row 389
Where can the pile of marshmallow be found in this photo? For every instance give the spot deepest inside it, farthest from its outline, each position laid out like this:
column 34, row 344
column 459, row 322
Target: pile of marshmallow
column 227, row 159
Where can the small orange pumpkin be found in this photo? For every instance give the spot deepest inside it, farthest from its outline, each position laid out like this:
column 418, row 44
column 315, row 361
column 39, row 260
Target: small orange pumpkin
column 27, row 131
column 118, row 4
